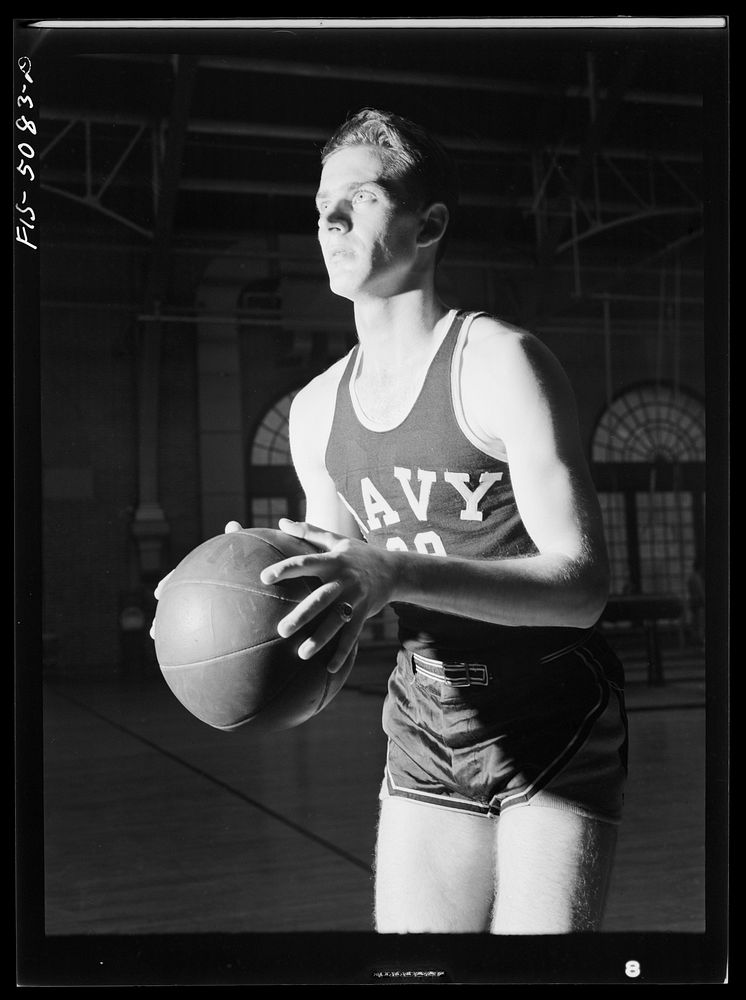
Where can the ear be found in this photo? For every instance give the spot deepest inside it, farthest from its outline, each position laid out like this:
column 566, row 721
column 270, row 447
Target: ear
column 433, row 224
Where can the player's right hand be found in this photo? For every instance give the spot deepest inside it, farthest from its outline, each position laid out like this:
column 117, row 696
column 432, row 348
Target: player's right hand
column 230, row 526
column 157, row 596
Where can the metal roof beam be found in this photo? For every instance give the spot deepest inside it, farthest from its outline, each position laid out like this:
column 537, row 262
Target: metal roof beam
column 310, row 134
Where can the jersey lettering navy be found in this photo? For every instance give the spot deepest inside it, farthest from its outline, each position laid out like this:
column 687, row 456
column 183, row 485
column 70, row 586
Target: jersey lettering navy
column 424, row 486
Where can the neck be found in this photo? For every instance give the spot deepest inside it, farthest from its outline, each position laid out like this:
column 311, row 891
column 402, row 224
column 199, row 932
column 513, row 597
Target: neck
column 396, row 329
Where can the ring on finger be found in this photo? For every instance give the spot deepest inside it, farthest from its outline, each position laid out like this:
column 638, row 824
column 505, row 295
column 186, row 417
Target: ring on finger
column 344, row 610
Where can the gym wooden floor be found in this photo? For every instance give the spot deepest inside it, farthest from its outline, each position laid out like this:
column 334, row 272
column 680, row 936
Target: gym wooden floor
column 155, row 824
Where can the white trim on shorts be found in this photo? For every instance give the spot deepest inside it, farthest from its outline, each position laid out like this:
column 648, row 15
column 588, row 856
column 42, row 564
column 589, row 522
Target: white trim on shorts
column 572, row 747
column 544, row 796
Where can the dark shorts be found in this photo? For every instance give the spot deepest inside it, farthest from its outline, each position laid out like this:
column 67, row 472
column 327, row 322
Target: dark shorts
column 497, row 734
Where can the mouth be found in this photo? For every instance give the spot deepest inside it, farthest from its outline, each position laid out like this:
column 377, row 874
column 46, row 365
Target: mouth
column 337, row 250
column 338, row 255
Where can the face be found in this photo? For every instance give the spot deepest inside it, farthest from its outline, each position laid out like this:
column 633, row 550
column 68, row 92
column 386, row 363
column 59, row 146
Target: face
column 367, row 233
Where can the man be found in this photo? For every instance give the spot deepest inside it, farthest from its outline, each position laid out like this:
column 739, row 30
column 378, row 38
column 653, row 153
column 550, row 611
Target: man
column 444, row 474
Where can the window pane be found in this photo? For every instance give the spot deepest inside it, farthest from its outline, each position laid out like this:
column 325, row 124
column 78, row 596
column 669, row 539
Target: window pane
column 266, row 511
column 666, row 532
column 650, row 423
column 271, row 445
column 615, row 530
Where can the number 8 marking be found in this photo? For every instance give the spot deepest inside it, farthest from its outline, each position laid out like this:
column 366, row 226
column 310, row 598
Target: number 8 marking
column 632, row 969
column 27, row 126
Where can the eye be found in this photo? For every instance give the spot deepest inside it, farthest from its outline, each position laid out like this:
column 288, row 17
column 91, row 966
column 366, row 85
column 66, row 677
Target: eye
column 362, row 196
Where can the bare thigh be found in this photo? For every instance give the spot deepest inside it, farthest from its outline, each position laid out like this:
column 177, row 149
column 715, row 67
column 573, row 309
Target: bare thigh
column 552, row 872
column 435, row 870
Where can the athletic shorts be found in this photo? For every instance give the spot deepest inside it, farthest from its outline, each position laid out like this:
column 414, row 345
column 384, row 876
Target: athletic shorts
column 482, row 737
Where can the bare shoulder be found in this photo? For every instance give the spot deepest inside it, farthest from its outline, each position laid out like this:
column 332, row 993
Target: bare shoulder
column 312, row 409
column 318, row 395
column 510, row 380
column 320, row 389
column 502, row 350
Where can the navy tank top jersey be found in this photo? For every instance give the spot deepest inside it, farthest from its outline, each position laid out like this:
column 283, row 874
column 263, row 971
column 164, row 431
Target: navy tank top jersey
column 425, row 486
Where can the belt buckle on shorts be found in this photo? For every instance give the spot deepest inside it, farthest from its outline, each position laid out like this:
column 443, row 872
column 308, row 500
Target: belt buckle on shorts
column 469, row 674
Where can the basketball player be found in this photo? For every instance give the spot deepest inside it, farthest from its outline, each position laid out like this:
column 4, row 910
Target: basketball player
column 444, row 474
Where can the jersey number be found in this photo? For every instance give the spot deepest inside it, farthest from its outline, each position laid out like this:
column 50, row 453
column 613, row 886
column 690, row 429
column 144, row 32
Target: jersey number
column 427, row 542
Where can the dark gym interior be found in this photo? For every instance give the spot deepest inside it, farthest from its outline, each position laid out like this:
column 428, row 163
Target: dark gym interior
column 171, row 299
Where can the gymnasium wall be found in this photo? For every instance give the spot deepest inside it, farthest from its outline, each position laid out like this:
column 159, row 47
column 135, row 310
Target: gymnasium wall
column 91, row 298
column 88, row 397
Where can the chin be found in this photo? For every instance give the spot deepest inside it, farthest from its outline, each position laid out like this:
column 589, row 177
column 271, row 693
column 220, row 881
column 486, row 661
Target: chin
column 335, row 288
column 343, row 286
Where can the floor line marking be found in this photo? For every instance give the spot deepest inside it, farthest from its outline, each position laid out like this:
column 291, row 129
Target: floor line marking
column 334, row 848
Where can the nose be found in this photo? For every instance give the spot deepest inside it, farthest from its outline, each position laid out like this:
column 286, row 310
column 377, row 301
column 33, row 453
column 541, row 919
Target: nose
column 334, row 217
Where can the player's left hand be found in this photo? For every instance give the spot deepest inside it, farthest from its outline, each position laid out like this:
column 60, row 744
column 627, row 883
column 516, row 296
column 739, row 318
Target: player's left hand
column 357, row 581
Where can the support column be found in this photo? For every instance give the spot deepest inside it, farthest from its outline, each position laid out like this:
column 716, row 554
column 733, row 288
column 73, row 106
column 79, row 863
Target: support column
column 149, row 527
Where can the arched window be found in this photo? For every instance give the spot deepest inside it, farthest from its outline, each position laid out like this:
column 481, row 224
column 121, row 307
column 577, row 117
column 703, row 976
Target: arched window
column 271, row 445
column 648, row 453
column 650, row 424
column 273, row 485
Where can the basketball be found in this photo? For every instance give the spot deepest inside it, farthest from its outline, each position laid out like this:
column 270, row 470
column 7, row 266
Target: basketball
column 216, row 641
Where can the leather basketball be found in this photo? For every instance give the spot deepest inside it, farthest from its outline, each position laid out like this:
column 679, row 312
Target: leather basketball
column 216, row 639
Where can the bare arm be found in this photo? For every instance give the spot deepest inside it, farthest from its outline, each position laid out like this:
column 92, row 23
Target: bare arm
column 310, row 422
column 520, row 395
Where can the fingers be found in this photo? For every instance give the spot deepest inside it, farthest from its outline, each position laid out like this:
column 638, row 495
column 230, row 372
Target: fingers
column 230, row 527
column 310, row 533
column 332, row 625
column 346, row 648
column 295, row 566
column 309, row 608
column 160, row 585
column 326, row 608
column 323, row 606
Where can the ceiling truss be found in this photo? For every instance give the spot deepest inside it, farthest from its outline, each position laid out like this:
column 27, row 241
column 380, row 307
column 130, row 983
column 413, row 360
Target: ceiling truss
column 570, row 196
